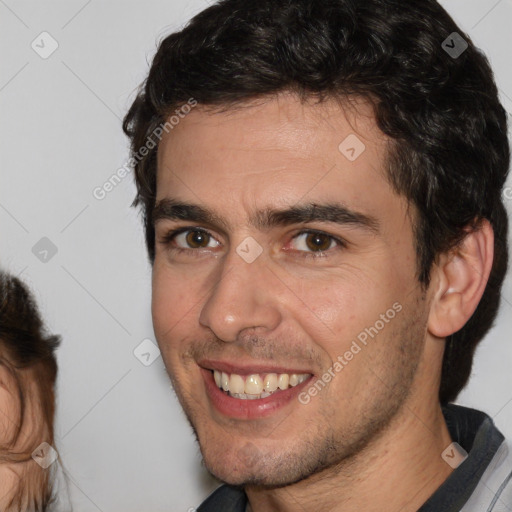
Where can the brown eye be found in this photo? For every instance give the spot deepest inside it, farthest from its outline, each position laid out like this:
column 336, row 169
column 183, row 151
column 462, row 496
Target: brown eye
column 190, row 239
column 318, row 241
column 197, row 239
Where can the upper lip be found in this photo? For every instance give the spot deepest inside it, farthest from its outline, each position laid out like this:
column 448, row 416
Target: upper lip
column 248, row 368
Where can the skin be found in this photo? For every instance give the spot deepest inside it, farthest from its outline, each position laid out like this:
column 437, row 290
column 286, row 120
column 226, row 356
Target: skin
column 375, row 433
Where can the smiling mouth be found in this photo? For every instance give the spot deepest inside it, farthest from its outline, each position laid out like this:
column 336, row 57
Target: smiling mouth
column 256, row 386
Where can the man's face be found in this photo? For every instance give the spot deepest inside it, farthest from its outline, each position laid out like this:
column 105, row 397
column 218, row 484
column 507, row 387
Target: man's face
column 249, row 298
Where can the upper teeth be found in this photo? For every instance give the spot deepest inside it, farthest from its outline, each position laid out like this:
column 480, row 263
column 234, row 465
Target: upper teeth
column 255, row 384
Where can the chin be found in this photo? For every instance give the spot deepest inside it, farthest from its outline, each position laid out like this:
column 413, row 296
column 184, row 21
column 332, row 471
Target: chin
column 248, row 466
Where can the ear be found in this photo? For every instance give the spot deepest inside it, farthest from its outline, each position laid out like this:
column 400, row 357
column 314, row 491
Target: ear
column 459, row 280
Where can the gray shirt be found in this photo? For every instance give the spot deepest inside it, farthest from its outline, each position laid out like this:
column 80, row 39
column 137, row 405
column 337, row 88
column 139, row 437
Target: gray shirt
column 482, row 483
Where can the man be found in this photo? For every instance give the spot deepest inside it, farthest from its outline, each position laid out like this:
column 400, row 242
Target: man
column 321, row 189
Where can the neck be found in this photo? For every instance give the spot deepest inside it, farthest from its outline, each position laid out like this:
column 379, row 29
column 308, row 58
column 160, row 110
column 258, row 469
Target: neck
column 401, row 469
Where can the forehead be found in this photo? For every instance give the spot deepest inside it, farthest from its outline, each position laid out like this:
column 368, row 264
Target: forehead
column 276, row 152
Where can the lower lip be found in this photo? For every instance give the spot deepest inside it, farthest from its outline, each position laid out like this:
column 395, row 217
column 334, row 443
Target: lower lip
column 249, row 409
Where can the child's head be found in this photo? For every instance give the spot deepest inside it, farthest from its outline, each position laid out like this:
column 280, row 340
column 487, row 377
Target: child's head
column 28, row 370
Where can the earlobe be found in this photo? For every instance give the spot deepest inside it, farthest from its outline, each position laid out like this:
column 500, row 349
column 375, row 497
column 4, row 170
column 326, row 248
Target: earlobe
column 460, row 278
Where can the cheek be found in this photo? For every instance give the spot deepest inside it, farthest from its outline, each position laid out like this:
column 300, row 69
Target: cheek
column 332, row 303
column 328, row 314
column 172, row 297
column 335, row 314
column 174, row 306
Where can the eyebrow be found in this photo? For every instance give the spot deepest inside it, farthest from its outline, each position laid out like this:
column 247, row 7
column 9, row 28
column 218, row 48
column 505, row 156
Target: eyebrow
column 337, row 213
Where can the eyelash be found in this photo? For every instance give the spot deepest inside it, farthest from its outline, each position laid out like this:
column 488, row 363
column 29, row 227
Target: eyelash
column 169, row 237
column 340, row 243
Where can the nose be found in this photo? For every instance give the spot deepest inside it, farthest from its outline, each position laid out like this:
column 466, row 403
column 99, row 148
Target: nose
column 244, row 297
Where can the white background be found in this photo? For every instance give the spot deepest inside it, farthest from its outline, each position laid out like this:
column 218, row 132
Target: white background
column 120, row 431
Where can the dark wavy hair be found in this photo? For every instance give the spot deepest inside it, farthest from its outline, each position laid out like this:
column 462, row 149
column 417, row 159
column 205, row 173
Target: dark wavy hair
column 27, row 353
column 449, row 154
